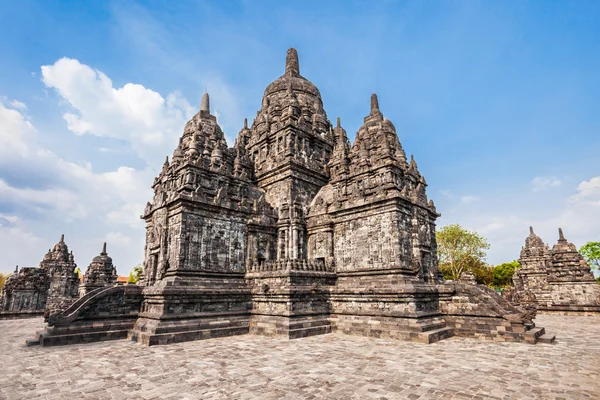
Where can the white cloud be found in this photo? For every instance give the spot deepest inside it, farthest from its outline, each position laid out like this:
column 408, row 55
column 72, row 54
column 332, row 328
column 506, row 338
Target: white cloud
column 588, row 193
column 8, row 220
column 446, row 193
column 18, row 105
column 133, row 113
column 540, row 183
column 71, row 197
column 118, row 239
column 15, row 133
column 469, row 199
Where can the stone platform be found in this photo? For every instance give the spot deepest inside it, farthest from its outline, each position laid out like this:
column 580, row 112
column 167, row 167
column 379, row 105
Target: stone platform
column 330, row 366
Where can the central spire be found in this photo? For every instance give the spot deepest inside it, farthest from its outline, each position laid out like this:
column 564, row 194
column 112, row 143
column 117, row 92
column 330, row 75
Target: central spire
column 374, row 104
column 205, row 103
column 292, row 66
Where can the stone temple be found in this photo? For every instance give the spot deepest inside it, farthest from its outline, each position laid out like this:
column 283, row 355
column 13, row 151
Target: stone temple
column 556, row 280
column 52, row 286
column 294, row 231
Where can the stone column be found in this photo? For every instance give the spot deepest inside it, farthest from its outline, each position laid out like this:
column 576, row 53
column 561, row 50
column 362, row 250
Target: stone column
column 279, row 244
column 301, row 253
column 295, row 243
column 255, row 252
column 286, row 246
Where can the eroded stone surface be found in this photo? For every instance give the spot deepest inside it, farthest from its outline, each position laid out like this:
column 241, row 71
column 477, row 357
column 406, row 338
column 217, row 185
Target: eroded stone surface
column 327, row 366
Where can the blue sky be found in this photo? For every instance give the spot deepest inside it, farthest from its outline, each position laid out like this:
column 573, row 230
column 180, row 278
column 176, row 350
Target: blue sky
column 497, row 101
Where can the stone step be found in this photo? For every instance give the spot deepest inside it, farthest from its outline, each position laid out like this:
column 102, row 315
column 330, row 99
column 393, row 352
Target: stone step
column 312, row 331
column 32, row 342
column 529, row 326
column 435, row 335
column 309, row 323
column 532, row 335
column 149, row 339
column 536, row 332
column 88, row 337
column 434, row 326
column 546, row 338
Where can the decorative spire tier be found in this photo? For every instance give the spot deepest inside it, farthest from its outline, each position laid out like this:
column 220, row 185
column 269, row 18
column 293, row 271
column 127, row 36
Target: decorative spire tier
column 291, row 127
column 567, row 264
column 100, row 273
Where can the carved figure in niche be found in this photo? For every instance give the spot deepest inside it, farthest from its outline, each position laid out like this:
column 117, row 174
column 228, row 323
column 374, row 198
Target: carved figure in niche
column 424, row 237
column 220, row 195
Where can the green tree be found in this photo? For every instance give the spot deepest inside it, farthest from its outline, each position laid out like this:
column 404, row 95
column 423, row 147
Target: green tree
column 484, row 274
column 591, row 252
column 135, row 274
column 459, row 249
column 78, row 272
column 504, row 272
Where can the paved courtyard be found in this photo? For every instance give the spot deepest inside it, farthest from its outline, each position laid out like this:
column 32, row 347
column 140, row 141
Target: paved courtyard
column 322, row 367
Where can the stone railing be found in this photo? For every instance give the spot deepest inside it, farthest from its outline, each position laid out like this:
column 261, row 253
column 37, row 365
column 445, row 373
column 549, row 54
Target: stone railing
column 319, row 265
column 94, row 299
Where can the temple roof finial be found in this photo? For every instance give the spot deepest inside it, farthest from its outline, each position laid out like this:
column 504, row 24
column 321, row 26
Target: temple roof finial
column 62, row 238
column 292, row 66
column 245, row 123
column 374, row 104
column 561, row 237
column 531, row 230
column 205, row 103
column 17, row 269
column 104, row 248
column 338, row 122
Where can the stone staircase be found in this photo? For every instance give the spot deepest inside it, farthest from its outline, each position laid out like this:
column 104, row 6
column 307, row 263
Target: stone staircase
column 533, row 334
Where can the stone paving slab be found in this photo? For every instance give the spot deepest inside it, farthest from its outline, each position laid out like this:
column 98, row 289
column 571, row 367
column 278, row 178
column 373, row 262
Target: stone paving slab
column 330, row 366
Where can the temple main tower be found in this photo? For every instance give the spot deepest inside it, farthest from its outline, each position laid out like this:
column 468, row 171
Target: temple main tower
column 290, row 143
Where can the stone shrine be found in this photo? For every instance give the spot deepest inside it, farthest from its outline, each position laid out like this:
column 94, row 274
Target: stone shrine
column 556, row 280
column 292, row 232
column 51, row 286
column 99, row 273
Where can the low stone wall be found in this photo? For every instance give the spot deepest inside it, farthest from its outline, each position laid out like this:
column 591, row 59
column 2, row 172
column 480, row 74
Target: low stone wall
column 21, row 314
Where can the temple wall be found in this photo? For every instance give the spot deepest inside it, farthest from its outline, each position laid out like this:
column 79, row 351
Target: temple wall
column 213, row 243
column 367, row 241
column 575, row 293
column 25, row 300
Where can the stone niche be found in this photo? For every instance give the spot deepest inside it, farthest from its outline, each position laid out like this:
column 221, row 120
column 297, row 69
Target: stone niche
column 293, row 232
